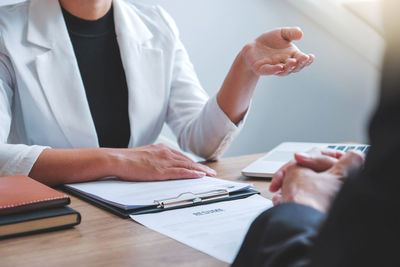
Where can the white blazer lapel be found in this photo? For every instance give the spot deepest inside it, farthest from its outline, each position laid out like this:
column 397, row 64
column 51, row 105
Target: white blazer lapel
column 143, row 66
column 59, row 75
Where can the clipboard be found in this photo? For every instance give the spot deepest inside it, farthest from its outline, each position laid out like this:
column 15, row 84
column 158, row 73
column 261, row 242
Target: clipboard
column 183, row 200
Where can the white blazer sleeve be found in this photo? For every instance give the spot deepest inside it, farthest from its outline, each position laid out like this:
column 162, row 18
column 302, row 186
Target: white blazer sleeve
column 14, row 159
column 198, row 122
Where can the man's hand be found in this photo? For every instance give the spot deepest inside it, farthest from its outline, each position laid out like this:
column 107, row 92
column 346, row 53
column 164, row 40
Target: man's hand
column 273, row 53
column 316, row 159
column 313, row 187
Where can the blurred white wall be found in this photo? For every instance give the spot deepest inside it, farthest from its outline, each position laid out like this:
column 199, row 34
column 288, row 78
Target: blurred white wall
column 9, row 2
column 329, row 102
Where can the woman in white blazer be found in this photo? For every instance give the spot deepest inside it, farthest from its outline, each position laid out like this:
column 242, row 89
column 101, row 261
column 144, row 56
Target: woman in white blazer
column 46, row 127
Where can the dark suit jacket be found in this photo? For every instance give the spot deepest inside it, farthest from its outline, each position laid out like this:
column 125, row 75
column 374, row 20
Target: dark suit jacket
column 363, row 225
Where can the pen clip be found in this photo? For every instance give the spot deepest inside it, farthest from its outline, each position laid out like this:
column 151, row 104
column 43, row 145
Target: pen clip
column 192, row 198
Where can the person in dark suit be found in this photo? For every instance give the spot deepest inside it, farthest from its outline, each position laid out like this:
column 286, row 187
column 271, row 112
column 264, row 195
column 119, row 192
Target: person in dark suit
column 362, row 222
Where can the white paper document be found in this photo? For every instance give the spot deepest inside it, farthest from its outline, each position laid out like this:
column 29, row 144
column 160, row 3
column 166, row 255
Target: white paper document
column 131, row 195
column 216, row 229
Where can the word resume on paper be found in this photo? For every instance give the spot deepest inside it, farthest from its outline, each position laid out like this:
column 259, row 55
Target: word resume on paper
column 216, row 229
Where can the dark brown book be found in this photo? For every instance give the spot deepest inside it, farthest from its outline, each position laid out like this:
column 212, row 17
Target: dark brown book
column 21, row 194
column 38, row 221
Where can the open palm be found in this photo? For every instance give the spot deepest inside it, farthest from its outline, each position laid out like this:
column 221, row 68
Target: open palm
column 273, row 53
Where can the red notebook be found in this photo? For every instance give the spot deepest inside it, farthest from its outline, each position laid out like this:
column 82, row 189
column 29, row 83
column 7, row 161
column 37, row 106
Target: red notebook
column 21, row 194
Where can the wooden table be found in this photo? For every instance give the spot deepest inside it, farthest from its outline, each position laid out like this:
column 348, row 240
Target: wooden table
column 103, row 239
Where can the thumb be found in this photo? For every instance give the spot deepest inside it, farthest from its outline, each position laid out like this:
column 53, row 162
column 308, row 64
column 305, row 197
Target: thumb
column 318, row 163
column 291, row 34
column 352, row 160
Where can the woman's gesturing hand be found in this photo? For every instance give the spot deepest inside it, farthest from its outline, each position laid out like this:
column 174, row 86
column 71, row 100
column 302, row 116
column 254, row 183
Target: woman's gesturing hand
column 273, row 53
column 155, row 163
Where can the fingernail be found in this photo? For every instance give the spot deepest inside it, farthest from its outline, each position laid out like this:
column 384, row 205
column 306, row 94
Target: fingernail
column 279, row 174
column 278, row 72
column 213, row 172
column 271, row 189
column 276, row 200
column 199, row 174
column 292, row 68
column 304, row 155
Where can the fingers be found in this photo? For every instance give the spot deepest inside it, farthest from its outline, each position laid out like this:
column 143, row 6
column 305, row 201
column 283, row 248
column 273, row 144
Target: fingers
column 181, row 173
column 277, row 179
column 190, row 165
column 178, row 159
column 311, row 59
column 332, row 153
column 350, row 161
column 291, row 34
column 318, row 159
column 316, row 163
column 316, row 151
column 302, row 60
column 268, row 69
column 289, row 67
column 292, row 65
column 273, row 53
column 265, row 67
column 277, row 199
column 296, row 63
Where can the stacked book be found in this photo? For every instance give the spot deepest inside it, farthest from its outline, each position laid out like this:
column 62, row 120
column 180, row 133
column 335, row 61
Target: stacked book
column 27, row 206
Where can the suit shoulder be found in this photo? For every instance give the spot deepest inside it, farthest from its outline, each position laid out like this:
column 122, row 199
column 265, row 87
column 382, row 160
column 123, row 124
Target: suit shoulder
column 156, row 18
column 13, row 15
column 145, row 9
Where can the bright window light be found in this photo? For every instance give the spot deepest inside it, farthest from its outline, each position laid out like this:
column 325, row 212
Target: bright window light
column 370, row 11
column 359, row 1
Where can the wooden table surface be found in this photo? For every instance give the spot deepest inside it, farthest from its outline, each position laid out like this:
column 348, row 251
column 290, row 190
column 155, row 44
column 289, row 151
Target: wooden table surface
column 103, row 239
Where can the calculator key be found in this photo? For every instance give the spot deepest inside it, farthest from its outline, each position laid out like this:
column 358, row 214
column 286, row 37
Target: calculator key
column 341, row 148
column 350, row 148
column 332, row 147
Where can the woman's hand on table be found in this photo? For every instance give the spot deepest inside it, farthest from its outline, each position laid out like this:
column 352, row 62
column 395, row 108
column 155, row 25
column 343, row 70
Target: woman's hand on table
column 155, row 163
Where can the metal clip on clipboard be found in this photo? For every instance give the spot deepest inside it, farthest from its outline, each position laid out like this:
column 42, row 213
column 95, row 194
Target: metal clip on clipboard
column 189, row 198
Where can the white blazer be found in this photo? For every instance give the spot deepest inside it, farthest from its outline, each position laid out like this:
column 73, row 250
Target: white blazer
column 42, row 97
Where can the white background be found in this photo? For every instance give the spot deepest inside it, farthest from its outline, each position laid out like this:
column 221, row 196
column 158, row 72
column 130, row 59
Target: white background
column 329, row 102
